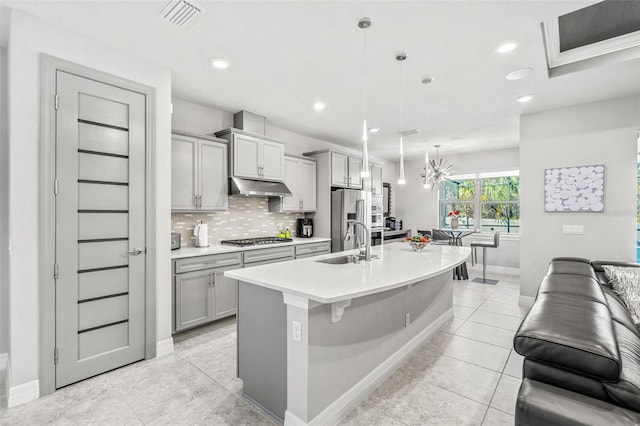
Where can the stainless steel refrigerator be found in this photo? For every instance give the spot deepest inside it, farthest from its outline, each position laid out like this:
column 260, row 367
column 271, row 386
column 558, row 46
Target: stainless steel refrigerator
column 349, row 205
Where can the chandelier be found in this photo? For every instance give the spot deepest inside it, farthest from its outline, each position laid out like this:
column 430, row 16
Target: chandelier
column 435, row 171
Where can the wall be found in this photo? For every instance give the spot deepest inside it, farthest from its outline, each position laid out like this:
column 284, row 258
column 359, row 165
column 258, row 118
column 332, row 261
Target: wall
column 28, row 39
column 595, row 133
column 418, row 207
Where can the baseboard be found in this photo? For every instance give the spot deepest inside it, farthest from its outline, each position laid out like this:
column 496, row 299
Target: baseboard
column 526, row 300
column 23, row 393
column 164, row 347
column 503, row 270
column 349, row 400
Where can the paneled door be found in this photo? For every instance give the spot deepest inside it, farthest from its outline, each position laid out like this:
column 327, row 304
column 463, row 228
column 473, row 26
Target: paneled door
column 100, row 228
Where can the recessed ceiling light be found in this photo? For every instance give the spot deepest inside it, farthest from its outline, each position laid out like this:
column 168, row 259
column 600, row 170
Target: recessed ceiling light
column 374, row 129
column 220, row 63
column 319, row 106
column 519, row 74
column 524, row 98
column 506, row 47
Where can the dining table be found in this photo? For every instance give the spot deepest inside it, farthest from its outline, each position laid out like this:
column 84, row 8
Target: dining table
column 455, row 239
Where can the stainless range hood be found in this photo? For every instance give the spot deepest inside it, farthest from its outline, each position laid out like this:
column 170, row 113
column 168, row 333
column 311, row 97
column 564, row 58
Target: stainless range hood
column 257, row 188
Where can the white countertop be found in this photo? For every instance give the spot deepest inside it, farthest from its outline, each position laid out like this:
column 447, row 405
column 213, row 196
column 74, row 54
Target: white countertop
column 397, row 266
column 219, row 248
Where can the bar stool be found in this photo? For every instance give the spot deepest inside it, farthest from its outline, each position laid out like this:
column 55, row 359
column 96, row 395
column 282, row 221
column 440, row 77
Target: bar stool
column 474, row 257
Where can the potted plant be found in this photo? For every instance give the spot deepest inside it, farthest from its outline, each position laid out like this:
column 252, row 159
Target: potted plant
column 454, row 218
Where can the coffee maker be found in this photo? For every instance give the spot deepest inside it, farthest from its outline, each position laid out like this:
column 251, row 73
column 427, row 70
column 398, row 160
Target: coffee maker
column 304, row 228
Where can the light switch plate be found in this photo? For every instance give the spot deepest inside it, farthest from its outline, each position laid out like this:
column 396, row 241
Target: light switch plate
column 573, row 229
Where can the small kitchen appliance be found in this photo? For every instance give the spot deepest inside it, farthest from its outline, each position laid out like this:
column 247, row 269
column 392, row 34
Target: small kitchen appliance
column 175, row 241
column 304, row 228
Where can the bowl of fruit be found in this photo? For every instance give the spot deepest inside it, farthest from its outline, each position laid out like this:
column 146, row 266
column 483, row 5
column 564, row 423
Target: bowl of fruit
column 418, row 242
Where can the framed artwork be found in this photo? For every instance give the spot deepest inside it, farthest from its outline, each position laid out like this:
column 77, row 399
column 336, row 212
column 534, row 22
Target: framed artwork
column 578, row 189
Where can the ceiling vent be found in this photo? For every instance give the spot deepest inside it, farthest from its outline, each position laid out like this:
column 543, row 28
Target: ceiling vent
column 594, row 35
column 182, row 13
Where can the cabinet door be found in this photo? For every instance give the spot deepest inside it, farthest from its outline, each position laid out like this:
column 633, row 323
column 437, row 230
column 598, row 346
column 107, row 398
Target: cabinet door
column 308, row 185
column 272, row 161
column 376, row 179
column 292, row 180
column 192, row 305
column 355, row 172
column 339, row 169
column 213, row 172
column 224, row 294
column 184, row 172
column 246, row 156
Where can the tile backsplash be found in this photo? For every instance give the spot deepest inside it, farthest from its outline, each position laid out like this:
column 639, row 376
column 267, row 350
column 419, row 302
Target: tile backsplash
column 247, row 217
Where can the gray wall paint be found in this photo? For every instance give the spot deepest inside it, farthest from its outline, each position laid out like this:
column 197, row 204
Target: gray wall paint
column 418, row 207
column 4, row 206
column 595, row 133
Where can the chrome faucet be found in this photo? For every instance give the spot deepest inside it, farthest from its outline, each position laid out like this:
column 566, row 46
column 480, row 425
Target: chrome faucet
column 367, row 244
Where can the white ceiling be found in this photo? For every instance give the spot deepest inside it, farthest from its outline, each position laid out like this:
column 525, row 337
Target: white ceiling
column 287, row 55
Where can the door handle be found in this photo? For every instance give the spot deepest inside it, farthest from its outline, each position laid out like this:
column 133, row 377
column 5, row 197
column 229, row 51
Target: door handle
column 135, row 252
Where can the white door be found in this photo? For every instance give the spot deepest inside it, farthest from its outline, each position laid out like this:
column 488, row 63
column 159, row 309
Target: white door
column 213, row 175
column 272, row 160
column 100, row 228
column 292, row 180
column 184, row 172
column 246, row 156
column 308, row 185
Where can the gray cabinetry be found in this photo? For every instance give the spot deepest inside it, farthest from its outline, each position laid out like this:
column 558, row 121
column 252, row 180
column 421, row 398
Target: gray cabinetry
column 300, row 178
column 255, row 157
column 201, row 291
column 346, row 171
column 270, row 255
column 198, row 173
column 312, row 249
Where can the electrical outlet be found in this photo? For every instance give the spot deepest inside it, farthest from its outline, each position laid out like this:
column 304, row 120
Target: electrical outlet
column 297, row 331
column 573, row 229
column 407, row 319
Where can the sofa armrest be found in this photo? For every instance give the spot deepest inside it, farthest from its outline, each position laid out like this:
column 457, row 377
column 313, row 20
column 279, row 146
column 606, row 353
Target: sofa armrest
column 542, row 404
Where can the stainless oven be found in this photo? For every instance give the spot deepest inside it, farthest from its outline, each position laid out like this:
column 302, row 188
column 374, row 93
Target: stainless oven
column 377, row 217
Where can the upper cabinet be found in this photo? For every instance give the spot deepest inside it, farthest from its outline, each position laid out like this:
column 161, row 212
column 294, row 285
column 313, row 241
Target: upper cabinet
column 375, row 171
column 253, row 157
column 198, row 173
column 300, row 178
column 346, row 171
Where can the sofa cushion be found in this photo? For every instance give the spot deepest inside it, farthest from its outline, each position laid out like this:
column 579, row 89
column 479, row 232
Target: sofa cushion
column 574, row 333
column 619, row 311
column 573, row 286
column 626, row 284
column 571, row 267
column 626, row 391
column 575, row 381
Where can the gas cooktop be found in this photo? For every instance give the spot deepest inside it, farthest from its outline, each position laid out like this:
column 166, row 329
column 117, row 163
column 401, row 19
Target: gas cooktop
column 243, row 242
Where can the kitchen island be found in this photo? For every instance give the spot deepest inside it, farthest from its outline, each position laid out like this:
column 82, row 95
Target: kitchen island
column 315, row 338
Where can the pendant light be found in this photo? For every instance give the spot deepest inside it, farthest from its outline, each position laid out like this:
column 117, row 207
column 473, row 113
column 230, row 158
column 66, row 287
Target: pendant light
column 425, row 181
column 363, row 24
column 401, row 58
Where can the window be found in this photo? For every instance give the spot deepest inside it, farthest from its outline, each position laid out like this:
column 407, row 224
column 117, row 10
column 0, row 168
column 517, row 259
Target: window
column 487, row 202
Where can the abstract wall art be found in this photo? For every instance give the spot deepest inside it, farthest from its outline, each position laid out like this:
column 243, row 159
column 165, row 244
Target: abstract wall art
column 577, row 189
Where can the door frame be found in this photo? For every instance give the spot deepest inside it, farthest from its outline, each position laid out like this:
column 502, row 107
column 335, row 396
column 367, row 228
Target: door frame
column 49, row 67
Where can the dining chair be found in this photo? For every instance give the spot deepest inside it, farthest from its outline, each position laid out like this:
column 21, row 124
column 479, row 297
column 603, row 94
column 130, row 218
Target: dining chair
column 439, row 237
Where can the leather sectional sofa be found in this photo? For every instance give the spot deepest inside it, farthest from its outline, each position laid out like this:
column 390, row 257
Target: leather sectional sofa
column 581, row 351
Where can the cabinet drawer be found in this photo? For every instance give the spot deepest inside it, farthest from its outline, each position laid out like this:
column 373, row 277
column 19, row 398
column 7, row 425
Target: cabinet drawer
column 313, row 248
column 206, row 262
column 262, row 255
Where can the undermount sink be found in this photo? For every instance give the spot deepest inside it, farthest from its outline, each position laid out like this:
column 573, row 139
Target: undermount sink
column 342, row 260
column 338, row 260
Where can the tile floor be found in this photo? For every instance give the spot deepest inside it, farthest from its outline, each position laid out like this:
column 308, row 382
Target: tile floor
column 466, row 374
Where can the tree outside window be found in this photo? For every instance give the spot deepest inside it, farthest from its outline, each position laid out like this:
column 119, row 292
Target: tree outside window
column 497, row 199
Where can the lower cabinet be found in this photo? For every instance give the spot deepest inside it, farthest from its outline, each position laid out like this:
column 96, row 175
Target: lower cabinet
column 313, row 249
column 201, row 291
